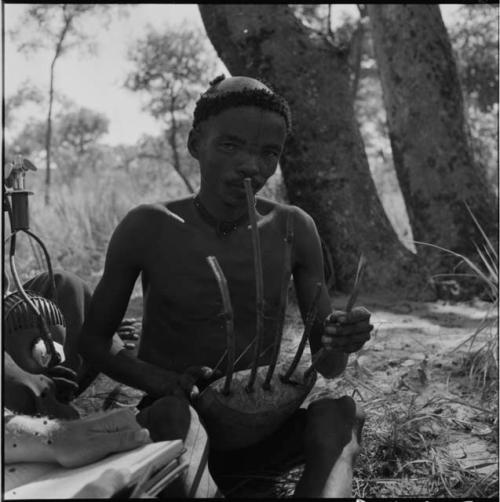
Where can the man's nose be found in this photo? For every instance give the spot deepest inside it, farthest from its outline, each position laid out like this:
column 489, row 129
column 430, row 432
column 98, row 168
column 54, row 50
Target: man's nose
column 249, row 167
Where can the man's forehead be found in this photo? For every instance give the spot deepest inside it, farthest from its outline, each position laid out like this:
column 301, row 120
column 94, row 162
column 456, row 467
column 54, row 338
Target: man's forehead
column 238, row 118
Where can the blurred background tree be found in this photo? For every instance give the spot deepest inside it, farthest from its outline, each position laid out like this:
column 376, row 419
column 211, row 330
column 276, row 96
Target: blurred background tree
column 172, row 69
column 61, row 27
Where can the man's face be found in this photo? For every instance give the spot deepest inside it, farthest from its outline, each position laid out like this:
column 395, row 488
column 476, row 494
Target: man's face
column 240, row 142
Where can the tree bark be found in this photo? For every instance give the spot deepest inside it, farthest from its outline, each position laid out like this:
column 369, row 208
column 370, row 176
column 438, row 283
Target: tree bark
column 428, row 131
column 324, row 165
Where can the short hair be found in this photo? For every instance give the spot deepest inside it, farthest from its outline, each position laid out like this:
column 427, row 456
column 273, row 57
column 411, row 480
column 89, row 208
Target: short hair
column 211, row 103
column 18, row 315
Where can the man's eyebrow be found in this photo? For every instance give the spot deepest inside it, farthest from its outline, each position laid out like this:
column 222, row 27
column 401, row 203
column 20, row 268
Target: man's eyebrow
column 231, row 137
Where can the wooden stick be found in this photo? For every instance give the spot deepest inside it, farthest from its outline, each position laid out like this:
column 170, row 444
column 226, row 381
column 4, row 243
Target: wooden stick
column 350, row 304
column 229, row 318
column 311, row 316
column 259, row 281
column 285, row 281
column 357, row 283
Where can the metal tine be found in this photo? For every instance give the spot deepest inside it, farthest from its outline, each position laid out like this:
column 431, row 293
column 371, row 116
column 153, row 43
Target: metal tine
column 349, row 305
column 259, row 281
column 228, row 315
column 311, row 316
column 285, row 281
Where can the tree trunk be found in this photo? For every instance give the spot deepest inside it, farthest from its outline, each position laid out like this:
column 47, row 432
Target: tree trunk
column 172, row 139
column 324, row 165
column 428, row 131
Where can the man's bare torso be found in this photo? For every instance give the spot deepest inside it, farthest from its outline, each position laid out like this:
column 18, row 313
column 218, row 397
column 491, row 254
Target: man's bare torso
column 182, row 323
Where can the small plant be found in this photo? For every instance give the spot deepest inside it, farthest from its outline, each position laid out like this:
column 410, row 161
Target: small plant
column 482, row 359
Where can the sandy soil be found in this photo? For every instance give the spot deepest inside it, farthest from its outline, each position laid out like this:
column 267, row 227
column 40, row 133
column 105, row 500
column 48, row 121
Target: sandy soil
column 432, row 427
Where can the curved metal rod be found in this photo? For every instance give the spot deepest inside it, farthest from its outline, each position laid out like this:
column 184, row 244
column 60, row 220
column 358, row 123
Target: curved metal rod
column 228, row 316
column 259, row 281
column 311, row 316
column 285, row 281
column 42, row 324
column 47, row 259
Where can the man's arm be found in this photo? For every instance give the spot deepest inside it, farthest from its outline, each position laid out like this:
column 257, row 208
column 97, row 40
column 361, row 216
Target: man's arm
column 127, row 252
column 307, row 272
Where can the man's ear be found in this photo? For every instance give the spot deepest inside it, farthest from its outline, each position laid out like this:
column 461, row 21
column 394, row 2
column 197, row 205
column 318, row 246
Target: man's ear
column 194, row 142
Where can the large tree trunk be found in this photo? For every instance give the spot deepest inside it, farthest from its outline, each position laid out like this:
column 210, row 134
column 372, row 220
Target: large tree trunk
column 428, row 131
column 324, row 164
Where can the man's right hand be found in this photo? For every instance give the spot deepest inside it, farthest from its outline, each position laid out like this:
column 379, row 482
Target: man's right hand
column 182, row 384
column 37, row 393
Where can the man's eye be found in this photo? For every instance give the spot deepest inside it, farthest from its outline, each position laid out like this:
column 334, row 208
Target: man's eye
column 228, row 147
column 271, row 155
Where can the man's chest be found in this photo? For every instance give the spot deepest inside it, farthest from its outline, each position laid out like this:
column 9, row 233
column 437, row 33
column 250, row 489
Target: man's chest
column 179, row 276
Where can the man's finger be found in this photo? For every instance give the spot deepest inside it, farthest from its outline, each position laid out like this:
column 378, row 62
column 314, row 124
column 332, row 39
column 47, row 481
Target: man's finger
column 65, row 384
column 348, row 329
column 62, row 372
column 343, row 343
column 128, row 321
column 363, row 337
column 197, row 372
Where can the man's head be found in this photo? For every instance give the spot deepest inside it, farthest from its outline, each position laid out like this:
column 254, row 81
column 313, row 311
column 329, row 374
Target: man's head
column 23, row 340
column 233, row 92
column 239, row 130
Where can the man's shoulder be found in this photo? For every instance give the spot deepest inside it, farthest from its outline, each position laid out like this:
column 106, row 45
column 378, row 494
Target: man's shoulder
column 266, row 206
column 151, row 212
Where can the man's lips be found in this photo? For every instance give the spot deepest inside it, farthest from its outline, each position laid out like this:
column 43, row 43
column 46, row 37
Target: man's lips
column 241, row 187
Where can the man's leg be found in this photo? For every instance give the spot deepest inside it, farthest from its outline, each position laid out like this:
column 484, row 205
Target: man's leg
column 73, row 298
column 331, row 440
column 170, row 418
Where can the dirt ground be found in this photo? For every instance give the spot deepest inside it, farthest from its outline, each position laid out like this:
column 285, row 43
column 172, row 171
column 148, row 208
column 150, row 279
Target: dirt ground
column 432, row 426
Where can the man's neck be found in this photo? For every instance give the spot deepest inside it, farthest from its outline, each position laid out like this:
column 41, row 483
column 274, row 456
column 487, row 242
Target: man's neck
column 221, row 211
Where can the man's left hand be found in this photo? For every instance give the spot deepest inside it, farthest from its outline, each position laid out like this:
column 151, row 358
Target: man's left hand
column 347, row 332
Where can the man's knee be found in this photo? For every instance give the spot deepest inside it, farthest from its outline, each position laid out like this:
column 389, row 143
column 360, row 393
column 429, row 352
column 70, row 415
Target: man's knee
column 166, row 419
column 332, row 422
column 67, row 282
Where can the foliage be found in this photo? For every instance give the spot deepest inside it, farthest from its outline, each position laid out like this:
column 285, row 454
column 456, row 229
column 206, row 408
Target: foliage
column 171, row 68
column 475, row 41
column 76, row 133
column 27, row 93
column 50, row 25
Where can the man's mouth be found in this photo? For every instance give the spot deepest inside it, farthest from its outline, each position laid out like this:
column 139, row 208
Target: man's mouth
column 240, row 187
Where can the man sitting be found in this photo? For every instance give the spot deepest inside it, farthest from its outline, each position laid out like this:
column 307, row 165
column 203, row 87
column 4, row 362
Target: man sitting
column 40, row 423
column 239, row 131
